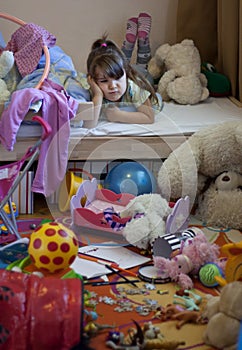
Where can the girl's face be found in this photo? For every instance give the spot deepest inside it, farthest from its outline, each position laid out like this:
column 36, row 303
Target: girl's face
column 113, row 89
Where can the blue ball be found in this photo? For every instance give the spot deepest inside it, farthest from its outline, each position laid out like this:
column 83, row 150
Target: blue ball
column 130, row 177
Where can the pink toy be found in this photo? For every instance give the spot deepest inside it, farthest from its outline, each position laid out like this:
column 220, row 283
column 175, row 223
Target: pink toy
column 89, row 207
column 193, row 254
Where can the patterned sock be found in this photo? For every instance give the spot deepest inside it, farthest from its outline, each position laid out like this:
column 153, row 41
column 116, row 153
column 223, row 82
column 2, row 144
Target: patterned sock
column 144, row 52
column 130, row 37
column 144, row 25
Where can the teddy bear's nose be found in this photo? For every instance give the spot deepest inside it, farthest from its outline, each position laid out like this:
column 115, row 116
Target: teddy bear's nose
column 225, row 178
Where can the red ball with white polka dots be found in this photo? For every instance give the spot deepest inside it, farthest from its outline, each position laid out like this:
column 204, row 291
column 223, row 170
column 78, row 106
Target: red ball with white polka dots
column 52, row 247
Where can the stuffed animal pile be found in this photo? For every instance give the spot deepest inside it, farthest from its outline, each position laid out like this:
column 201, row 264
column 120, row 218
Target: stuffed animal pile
column 191, row 257
column 178, row 68
column 208, row 168
column 6, row 64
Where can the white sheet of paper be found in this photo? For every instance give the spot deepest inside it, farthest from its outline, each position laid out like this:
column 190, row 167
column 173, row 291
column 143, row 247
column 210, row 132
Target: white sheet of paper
column 124, row 257
column 88, row 269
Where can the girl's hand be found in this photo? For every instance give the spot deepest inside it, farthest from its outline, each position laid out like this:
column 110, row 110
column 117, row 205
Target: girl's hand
column 112, row 113
column 96, row 91
column 143, row 115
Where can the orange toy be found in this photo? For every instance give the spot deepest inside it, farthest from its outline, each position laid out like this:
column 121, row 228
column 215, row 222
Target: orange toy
column 187, row 316
column 52, row 247
column 233, row 267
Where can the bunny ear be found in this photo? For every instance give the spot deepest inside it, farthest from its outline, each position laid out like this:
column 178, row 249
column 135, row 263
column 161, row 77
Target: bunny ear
column 178, row 219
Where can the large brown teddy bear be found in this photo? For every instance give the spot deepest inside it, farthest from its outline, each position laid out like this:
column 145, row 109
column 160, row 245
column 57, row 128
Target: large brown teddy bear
column 194, row 169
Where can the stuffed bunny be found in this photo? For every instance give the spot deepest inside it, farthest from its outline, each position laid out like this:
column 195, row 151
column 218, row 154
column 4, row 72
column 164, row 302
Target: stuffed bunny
column 194, row 254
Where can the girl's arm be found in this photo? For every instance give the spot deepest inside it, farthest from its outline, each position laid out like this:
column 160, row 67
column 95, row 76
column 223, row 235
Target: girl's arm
column 97, row 100
column 143, row 115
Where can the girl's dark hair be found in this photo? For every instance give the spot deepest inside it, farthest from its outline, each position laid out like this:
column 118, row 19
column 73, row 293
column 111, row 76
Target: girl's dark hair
column 106, row 55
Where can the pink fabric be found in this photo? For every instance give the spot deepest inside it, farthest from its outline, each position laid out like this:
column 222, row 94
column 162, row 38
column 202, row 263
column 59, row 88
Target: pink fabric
column 9, row 173
column 27, row 45
column 57, row 109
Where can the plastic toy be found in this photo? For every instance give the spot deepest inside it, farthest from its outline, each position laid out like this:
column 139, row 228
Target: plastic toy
column 130, row 177
column 7, row 208
column 87, row 211
column 208, row 273
column 11, row 210
column 191, row 316
column 233, row 266
column 52, row 247
column 142, row 338
column 69, row 186
column 186, row 302
column 4, row 230
column 40, row 307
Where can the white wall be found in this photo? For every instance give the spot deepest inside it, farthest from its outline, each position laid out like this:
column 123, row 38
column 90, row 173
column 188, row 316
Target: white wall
column 77, row 23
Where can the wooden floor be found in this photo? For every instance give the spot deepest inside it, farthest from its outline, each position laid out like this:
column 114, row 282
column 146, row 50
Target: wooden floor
column 41, row 208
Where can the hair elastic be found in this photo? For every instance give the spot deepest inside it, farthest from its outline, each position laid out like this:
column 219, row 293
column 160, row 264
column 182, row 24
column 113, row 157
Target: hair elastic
column 104, row 44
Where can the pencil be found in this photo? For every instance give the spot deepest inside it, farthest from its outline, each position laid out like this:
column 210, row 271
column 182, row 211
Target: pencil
column 106, row 262
column 106, row 283
column 120, row 275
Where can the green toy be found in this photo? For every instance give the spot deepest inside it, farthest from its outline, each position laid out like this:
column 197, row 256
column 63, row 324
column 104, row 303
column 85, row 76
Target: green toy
column 207, row 274
column 218, row 84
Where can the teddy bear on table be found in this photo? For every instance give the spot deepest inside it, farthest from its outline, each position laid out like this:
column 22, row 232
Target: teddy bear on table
column 6, row 64
column 208, row 168
column 182, row 80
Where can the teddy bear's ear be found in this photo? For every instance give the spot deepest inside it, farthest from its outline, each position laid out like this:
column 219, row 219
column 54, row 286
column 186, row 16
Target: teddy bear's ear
column 187, row 42
column 238, row 133
column 162, row 52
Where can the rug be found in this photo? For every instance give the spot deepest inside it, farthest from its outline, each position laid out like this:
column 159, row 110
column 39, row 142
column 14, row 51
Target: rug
column 111, row 311
column 117, row 305
column 25, row 227
column 9, row 255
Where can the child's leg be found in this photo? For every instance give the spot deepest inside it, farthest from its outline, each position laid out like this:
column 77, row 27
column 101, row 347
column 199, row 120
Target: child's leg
column 144, row 52
column 130, row 37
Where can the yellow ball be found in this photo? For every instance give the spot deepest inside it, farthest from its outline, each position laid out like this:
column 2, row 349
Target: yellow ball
column 52, row 247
